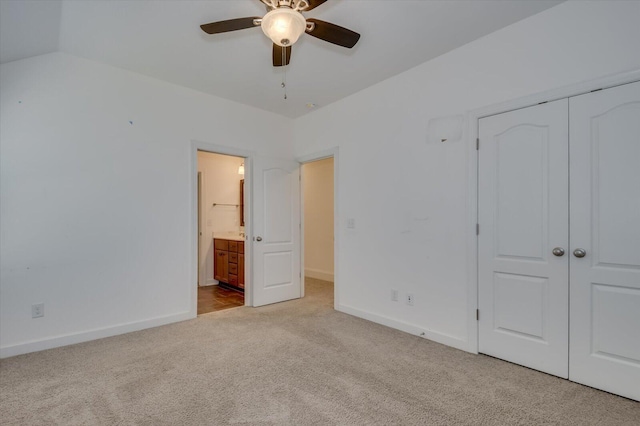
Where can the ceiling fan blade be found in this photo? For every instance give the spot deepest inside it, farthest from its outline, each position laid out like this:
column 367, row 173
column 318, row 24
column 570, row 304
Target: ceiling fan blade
column 277, row 55
column 229, row 25
column 333, row 33
column 313, row 4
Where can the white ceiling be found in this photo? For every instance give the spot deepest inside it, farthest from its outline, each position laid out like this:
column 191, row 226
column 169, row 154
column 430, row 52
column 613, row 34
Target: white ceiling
column 162, row 39
column 28, row 28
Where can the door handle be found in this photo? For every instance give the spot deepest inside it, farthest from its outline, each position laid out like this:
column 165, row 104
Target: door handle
column 258, row 238
column 579, row 252
column 558, row 251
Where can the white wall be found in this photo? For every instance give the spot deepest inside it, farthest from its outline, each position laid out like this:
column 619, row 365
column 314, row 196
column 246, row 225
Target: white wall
column 220, row 185
column 408, row 196
column 318, row 219
column 96, row 196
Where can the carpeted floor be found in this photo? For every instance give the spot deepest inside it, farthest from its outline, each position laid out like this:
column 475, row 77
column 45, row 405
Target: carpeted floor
column 292, row 363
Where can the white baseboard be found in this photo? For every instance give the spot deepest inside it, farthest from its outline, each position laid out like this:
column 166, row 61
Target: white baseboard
column 85, row 336
column 318, row 274
column 407, row 328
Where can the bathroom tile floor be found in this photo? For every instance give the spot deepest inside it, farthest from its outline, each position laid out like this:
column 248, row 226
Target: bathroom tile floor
column 215, row 298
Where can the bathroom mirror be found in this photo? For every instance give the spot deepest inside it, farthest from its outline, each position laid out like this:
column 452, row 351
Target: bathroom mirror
column 241, row 202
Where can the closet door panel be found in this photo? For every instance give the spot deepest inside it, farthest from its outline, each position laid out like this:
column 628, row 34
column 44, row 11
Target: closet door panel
column 605, row 223
column 523, row 216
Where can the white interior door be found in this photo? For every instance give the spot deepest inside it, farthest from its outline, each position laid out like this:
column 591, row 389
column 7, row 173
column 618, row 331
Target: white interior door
column 523, row 215
column 276, row 231
column 605, row 223
column 201, row 250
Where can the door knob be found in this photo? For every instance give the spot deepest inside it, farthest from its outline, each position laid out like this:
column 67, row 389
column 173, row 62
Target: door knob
column 579, row 252
column 258, row 238
column 558, row 251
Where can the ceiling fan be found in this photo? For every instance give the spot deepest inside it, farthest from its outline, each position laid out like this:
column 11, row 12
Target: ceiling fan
column 284, row 24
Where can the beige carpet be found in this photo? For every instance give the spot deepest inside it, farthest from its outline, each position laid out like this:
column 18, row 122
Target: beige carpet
column 293, row 363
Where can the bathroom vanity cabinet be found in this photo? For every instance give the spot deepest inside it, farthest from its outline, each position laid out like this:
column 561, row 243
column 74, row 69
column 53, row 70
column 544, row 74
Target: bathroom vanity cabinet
column 228, row 261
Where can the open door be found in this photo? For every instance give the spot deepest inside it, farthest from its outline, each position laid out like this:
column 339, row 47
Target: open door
column 200, row 227
column 276, row 231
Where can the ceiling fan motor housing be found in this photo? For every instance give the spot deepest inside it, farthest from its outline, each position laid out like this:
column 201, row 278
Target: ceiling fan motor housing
column 283, row 26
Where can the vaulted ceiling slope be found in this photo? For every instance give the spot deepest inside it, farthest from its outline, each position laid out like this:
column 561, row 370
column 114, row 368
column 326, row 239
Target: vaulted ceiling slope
column 162, row 39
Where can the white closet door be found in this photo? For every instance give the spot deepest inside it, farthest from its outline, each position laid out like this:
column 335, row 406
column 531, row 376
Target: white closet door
column 605, row 223
column 523, row 216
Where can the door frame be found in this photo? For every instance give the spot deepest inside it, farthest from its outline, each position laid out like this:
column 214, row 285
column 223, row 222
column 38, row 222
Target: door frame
column 473, row 118
column 200, row 209
column 193, row 183
column 309, row 158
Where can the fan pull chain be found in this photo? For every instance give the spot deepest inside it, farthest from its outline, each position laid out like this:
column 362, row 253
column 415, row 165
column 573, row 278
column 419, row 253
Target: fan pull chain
column 284, row 76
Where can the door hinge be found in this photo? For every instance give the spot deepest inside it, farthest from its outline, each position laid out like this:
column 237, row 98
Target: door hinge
column 477, row 144
column 477, row 229
column 477, row 314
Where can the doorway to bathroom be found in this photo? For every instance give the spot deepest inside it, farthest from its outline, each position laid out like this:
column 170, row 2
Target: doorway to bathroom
column 221, row 232
column 318, row 229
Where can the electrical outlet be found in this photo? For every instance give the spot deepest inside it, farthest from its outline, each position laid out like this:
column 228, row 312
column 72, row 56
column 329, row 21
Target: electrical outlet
column 37, row 310
column 394, row 294
column 351, row 223
column 410, row 299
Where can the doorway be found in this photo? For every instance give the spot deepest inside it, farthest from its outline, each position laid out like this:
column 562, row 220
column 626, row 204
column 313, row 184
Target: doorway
column 221, row 232
column 318, row 194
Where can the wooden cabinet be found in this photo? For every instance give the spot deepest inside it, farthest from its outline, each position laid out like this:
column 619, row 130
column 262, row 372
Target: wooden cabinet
column 229, row 262
column 241, row 270
column 221, row 265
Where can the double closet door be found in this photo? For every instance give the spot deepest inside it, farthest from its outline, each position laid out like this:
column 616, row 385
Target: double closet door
column 559, row 241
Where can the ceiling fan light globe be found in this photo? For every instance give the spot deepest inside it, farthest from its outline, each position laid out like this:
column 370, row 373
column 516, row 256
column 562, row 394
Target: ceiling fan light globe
column 283, row 26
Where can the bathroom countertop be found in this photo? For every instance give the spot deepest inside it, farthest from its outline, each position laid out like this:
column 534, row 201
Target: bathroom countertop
column 228, row 236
